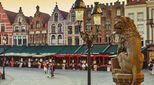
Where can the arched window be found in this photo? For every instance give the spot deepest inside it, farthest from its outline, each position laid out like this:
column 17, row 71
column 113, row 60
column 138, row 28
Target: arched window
column 59, row 28
column 73, row 17
column 53, row 28
column 37, row 24
column 53, row 40
column 60, row 41
column 56, row 17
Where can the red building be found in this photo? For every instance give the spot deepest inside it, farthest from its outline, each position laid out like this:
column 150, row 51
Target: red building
column 6, row 20
column 38, row 29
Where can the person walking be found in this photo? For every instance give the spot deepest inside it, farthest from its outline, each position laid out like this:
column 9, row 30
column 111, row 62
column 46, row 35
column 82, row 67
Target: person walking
column 45, row 67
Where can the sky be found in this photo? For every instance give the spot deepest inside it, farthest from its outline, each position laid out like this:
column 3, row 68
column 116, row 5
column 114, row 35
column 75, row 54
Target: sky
column 47, row 6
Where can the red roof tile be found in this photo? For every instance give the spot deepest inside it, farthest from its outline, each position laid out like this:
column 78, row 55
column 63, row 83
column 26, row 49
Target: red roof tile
column 11, row 15
column 64, row 14
column 45, row 17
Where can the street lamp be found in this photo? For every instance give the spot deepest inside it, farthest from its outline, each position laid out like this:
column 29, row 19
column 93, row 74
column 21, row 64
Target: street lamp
column 79, row 7
column 4, row 42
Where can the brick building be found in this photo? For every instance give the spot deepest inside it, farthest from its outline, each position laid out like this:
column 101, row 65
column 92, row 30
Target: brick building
column 111, row 12
column 38, row 29
column 6, row 20
column 20, row 29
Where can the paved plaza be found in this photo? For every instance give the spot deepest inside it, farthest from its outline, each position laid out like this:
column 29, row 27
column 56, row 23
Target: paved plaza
column 34, row 76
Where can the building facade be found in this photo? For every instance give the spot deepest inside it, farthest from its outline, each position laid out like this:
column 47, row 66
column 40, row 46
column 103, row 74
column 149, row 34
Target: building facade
column 137, row 10
column 63, row 29
column 150, row 22
column 20, row 29
column 110, row 14
column 6, row 20
column 38, row 29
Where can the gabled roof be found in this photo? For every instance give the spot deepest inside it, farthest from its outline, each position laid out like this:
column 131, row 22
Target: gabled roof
column 11, row 15
column 45, row 17
column 64, row 14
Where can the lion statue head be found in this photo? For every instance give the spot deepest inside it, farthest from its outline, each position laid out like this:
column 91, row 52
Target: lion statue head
column 126, row 26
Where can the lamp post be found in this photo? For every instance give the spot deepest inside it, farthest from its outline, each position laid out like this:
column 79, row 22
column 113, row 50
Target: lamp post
column 4, row 42
column 79, row 7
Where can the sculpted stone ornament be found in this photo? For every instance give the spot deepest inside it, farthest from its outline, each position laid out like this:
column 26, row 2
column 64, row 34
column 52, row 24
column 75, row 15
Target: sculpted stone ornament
column 126, row 68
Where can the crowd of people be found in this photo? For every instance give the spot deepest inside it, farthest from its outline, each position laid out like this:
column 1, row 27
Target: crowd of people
column 151, row 68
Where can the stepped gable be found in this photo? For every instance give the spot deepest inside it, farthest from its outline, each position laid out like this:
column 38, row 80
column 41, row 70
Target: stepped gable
column 64, row 14
column 45, row 17
column 11, row 15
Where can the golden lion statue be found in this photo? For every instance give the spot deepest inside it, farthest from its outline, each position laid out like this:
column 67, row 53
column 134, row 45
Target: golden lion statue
column 130, row 57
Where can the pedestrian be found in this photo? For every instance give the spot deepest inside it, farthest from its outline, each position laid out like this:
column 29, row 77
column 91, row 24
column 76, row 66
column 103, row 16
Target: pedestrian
column 45, row 67
column 49, row 70
column 150, row 65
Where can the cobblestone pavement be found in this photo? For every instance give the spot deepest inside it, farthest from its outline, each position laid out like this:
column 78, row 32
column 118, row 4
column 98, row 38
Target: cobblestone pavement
column 34, row 76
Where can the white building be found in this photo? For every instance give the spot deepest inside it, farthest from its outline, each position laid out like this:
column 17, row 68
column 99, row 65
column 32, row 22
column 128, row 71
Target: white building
column 137, row 10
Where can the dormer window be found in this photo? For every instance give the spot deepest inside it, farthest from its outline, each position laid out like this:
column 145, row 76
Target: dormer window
column 19, row 19
column 56, row 17
column 37, row 24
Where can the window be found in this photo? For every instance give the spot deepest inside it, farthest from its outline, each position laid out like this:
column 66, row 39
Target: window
column 131, row 15
column 23, row 28
column 89, row 14
column 140, row 16
column 14, row 40
column 16, row 29
column 53, row 40
column 69, row 40
column 118, row 12
column 53, row 28
column 76, row 40
column 37, row 24
column 31, row 38
column 37, row 38
column 76, row 29
column 108, row 25
column 43, row 25
column 140, row 28
column 56, row 17
column 137, row 0
column 44, row 38
column 19, row 40
column 24, row 40
column 60, row 41
column 59, row 28
column 88, row 27
column 19, row 19
column 31, row 26
column 73, row 17
column 7, row 39
column 2, row 27
column 69, row 29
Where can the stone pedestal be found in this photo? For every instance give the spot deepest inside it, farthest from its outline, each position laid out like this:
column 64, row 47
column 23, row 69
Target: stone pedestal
column 126, row 79
column 122, row 78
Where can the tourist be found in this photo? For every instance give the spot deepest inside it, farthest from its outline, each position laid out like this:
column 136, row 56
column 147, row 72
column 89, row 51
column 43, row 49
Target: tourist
column 150, row 65
column 45, row 67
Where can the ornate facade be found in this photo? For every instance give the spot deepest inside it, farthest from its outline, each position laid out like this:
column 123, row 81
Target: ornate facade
column 63, row 29
column 38, row 29
column 20, row 29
